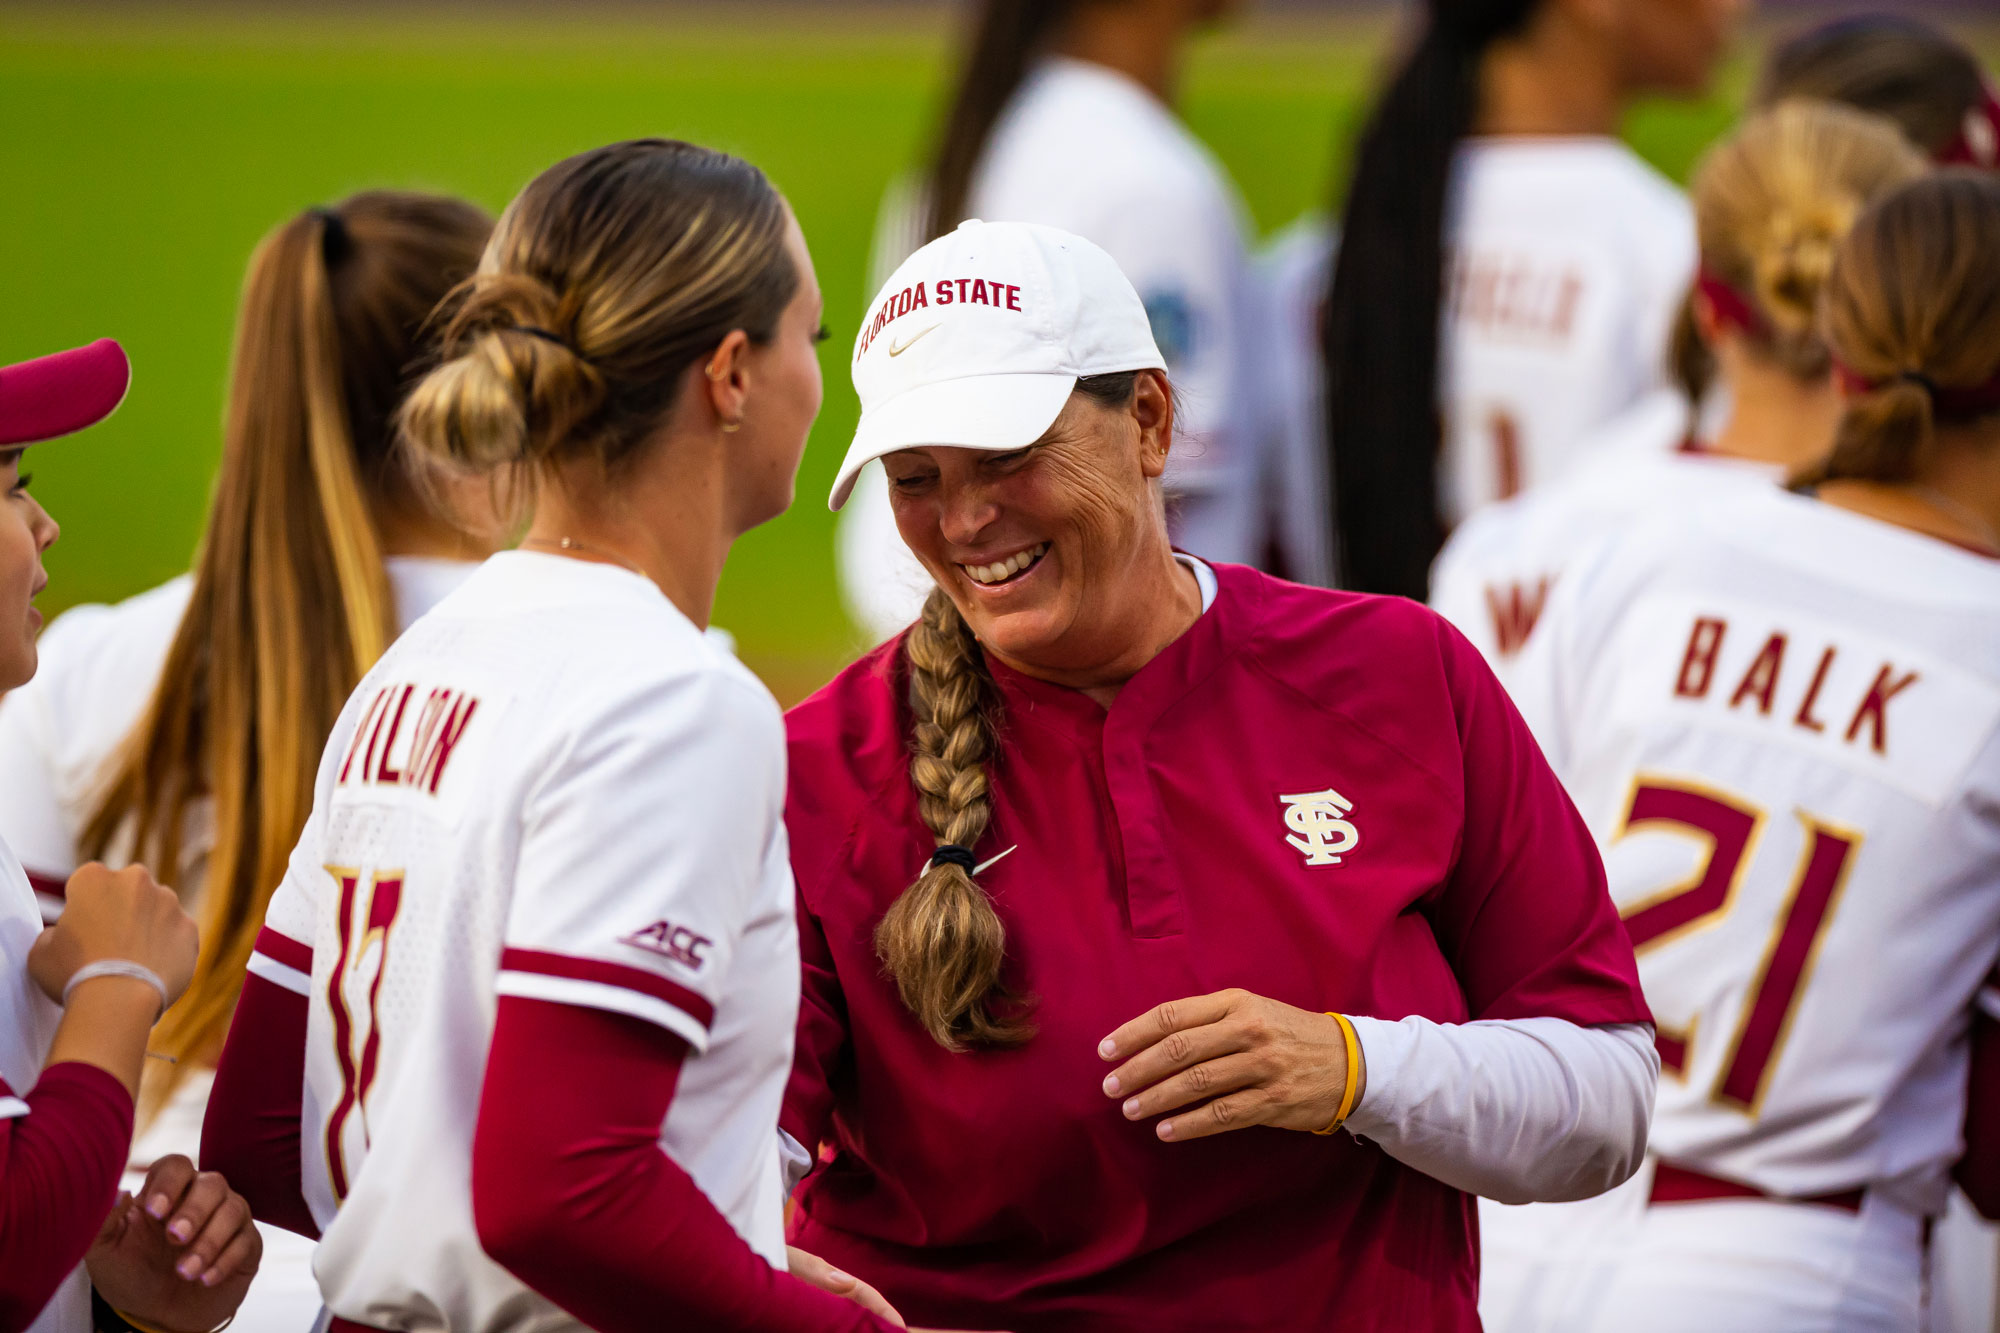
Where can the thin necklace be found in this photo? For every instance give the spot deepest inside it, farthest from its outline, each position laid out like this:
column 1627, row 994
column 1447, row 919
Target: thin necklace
column 567, row 546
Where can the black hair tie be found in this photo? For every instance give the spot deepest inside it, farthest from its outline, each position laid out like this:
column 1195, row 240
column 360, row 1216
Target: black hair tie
column 1921, row 380
column 534, row 331
column 334, row 242
column 953, row 854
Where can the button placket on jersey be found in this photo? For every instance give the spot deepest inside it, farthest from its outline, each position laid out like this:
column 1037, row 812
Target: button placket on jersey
column 1152, row 881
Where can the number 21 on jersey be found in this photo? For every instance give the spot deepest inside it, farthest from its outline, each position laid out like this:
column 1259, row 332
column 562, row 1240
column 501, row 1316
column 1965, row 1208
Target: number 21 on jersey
column 1728, row 829
column 368, row 903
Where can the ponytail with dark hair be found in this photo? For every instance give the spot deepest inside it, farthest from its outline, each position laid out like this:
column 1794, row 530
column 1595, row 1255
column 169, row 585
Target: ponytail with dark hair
column 291, row 601
column 1912, row 314
column 1005, row 40
column 1383, row 314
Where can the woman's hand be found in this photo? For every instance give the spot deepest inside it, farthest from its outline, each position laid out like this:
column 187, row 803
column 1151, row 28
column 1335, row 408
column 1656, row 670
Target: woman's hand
column 1262, row 1063
column 181, row 1254
column 817, row 1271
column 116, row 914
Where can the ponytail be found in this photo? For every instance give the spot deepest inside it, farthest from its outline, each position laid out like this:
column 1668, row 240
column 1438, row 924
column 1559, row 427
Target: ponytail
column 1912, row 315
column 1379, row 339
column 1007, row 36
column 941, row 940
column 291, row 601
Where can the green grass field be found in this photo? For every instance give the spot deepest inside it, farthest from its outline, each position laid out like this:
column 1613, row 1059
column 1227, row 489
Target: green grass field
column 146, row 154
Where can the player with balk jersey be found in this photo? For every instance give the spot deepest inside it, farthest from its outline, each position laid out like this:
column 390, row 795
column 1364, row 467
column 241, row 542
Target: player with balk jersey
column 1770, row 202
column 525, row 997
column 1780, row 715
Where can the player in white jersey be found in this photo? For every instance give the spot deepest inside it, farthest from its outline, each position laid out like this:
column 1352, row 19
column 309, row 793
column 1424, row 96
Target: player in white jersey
column 1780, row 714
column 319, row 548
column 1063, row 116
column 1508, row 271
column 542, row 908
column 79, row 999
column 1771, row 202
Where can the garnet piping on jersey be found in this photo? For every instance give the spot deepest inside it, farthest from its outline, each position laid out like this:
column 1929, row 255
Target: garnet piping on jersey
column 540, row 975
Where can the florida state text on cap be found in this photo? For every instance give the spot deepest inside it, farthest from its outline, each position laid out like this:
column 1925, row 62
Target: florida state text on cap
column 978, row 339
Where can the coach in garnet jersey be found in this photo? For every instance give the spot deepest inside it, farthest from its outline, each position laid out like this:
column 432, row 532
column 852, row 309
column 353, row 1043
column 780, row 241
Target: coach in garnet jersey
column 1199, row 857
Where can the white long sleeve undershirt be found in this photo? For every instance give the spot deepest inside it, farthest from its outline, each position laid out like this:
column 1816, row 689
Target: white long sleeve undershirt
column 1529, row 1110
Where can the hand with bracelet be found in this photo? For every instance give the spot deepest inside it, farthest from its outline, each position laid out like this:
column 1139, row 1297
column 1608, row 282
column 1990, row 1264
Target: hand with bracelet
column 1255, row 1060
column 180, row 1256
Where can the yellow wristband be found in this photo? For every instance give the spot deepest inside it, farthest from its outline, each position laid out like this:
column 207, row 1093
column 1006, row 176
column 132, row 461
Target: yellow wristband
column 1352, row 1044
column 145, row 1327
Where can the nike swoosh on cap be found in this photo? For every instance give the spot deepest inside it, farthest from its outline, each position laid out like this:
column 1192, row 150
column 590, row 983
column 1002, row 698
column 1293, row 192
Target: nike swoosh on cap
column 897, row 349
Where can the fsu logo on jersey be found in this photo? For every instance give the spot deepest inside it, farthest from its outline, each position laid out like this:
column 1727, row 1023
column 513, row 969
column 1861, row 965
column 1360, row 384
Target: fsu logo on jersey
column 670, row 941
column 1320, row 827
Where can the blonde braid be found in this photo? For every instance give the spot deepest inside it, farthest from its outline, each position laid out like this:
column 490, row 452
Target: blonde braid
column 941, row 939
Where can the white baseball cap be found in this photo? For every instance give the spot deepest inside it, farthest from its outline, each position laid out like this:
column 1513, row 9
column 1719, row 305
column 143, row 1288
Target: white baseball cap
column 978, row 339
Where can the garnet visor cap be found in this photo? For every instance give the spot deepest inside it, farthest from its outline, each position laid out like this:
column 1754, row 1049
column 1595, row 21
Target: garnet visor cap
column 61, row 393
column 979, row 338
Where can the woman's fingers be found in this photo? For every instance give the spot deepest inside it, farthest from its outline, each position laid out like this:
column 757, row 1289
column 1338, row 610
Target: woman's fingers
column 1171, row 1055
column 240, row 1252
column 1210, row 1078
column 1239, row 1110
column 223, row 1222
column 167, row 1181
column 809, row 1267
column 1161, row 1021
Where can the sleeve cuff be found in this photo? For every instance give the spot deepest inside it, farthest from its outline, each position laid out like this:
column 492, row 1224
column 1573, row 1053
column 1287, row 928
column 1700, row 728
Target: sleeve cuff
column 1385, row 1048
column 283, row 961
column 595, row 984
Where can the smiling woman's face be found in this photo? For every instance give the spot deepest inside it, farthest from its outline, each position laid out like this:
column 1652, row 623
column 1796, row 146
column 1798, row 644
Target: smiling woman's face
column 26, row 531
column 1041, row 548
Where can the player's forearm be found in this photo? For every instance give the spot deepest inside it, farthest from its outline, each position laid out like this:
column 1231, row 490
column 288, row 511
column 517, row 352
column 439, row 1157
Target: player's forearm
column 59, row 1169
column 572, row 1194
column 106, row 1022
column 252, row 1130
column 1522, row 1111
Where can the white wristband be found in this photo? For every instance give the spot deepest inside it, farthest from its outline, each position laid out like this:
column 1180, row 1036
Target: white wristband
column 117, row 967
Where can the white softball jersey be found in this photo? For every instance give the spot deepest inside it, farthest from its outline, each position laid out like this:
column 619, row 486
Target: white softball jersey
column 1495, row 574
column 1089, row 150
column 1570, row 258
column 554, row 786
column 1782, row 721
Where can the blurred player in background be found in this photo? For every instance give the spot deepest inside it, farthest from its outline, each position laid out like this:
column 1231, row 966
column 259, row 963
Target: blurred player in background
column 78, row 1000
column 1505, row 264
column 182, row 727
column 1063, row 115
column 1770, row 202
column 1781, row 714
column 1899, row 67
column 535, row 961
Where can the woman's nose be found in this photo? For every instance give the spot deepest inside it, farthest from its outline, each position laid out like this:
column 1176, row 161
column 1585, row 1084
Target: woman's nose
column 966, row 513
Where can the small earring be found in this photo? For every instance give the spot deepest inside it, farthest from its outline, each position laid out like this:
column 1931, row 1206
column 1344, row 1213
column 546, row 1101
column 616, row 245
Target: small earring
column 731, row 427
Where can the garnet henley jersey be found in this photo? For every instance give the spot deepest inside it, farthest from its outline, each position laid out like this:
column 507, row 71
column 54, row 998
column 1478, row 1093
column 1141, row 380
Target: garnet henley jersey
column 1192, row 837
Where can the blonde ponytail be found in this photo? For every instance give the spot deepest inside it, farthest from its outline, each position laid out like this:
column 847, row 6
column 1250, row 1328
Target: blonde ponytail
column 610, row 275
column 1772, row 202
column 941, row 940
column 291, row 601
